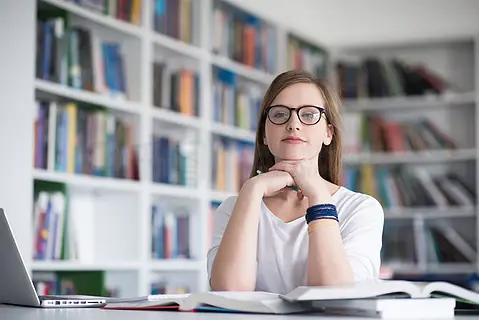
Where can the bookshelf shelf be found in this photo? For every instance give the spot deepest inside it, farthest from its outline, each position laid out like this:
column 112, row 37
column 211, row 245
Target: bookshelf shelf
column 430, row 101
column 176, row 118
column 163, row 189
column 177, row 265
column 241, row 70
column 178, row 46
column 79, row 266
column 441, row 156
column 232, row 132
column 101, row 19
column 432, row 268
column 430, row 213
column 88, row 182
column 50, row 89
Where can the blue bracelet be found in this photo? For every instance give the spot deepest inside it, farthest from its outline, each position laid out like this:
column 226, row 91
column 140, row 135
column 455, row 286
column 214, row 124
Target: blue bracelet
column 321, row 211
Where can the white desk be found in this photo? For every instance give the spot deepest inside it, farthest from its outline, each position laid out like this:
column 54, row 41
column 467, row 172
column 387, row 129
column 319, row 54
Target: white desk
column 23, row 313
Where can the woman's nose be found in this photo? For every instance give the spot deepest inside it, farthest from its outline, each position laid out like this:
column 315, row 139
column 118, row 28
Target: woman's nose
column 293, row 123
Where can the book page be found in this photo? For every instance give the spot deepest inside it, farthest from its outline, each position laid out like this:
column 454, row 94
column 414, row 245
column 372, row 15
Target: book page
column 246, row 295
column 157, row 297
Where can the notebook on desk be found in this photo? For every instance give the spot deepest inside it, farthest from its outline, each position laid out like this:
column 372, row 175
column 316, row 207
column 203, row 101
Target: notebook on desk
column 16, row 286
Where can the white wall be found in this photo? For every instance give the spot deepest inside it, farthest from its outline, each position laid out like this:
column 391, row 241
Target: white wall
column 350, row 22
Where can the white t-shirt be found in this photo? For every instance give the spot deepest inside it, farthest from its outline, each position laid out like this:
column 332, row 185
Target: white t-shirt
column 283, row 247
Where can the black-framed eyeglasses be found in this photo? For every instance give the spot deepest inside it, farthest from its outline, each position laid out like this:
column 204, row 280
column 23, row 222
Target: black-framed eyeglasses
column 307, row 114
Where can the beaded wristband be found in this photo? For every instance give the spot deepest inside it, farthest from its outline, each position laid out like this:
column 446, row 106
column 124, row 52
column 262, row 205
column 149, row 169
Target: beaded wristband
column 321, row 211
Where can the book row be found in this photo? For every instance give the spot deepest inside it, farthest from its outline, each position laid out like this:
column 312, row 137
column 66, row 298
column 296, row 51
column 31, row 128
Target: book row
column 92, row 283
column 176, row 89
column 84, row 139
column 175, row 18
column 76, row 57
column 302, row 55
column 175, row 161
column 235, row 102
column 232, row 161
column 170, row 233
column 125, row 10
column 443, row 244
column 244, row 38
column 73, row 283
column 363, row 132
column 375, row 77
column 410, row 186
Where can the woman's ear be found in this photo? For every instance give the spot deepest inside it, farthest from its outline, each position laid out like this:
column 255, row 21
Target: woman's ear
column 264, row 141
column 329, row 135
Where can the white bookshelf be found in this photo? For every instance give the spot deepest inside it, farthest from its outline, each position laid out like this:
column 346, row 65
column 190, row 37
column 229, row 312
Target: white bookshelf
column 455, row 113
column 115, row 219
column 113, row 216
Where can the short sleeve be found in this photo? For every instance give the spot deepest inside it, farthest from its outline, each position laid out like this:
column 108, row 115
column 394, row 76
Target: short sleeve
column 220, row 221
column 361, row 231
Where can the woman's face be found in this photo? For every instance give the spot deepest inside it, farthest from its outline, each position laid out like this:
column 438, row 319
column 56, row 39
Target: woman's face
column 293, row 139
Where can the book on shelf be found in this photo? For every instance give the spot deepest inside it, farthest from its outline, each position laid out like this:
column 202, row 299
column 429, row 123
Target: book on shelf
column 176, row 89
column 235, row 102
column 163, row 287
column 73, row 283
column 444, row 245
column 175, row 18
column 83, row 139
column 170, row 233
column 174, row 160
column 373, row 133
column 231, row 162
column 382, row 298
column 76, row 57
column 125, row 10
column 373, row 77
column 243, row 37
column 304, row 55
column 400, row 186
column 52, row 229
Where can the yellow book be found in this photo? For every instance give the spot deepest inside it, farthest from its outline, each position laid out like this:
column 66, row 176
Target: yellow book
column 71, row 109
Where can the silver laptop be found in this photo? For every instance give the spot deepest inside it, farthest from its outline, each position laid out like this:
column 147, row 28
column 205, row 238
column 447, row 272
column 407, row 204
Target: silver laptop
column 16, row 286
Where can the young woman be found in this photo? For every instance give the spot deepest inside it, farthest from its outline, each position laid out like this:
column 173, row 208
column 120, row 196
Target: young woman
column 292, row 222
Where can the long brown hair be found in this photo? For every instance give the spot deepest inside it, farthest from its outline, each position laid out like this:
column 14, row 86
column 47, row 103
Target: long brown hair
column 330, row 157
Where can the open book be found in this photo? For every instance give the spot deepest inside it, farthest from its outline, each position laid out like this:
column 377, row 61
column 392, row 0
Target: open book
column 250, row 302
column 382, row 288
column 367, row 295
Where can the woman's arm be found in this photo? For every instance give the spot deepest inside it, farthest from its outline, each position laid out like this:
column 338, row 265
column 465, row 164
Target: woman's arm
column 327, row 260
column 234, row 266
column 336, row 257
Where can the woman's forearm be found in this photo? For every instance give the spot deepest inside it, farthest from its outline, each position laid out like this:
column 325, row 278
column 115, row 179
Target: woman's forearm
column 234, row 267
column 327, row 260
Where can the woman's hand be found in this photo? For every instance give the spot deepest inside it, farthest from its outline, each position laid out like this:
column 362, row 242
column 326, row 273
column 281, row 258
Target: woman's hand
column 270, row 183
column 306, row 177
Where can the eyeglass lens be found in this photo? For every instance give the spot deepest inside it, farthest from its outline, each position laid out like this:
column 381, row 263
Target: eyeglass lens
column 307, row 115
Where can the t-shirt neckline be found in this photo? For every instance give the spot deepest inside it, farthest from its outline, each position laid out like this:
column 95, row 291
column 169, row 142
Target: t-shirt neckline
column 299, row 219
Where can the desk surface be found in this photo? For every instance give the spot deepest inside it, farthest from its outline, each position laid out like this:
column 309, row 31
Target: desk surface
column 25, row 313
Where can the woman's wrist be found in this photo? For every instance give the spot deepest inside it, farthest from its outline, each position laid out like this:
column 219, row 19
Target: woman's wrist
column 320, row 196
column 252, row 186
